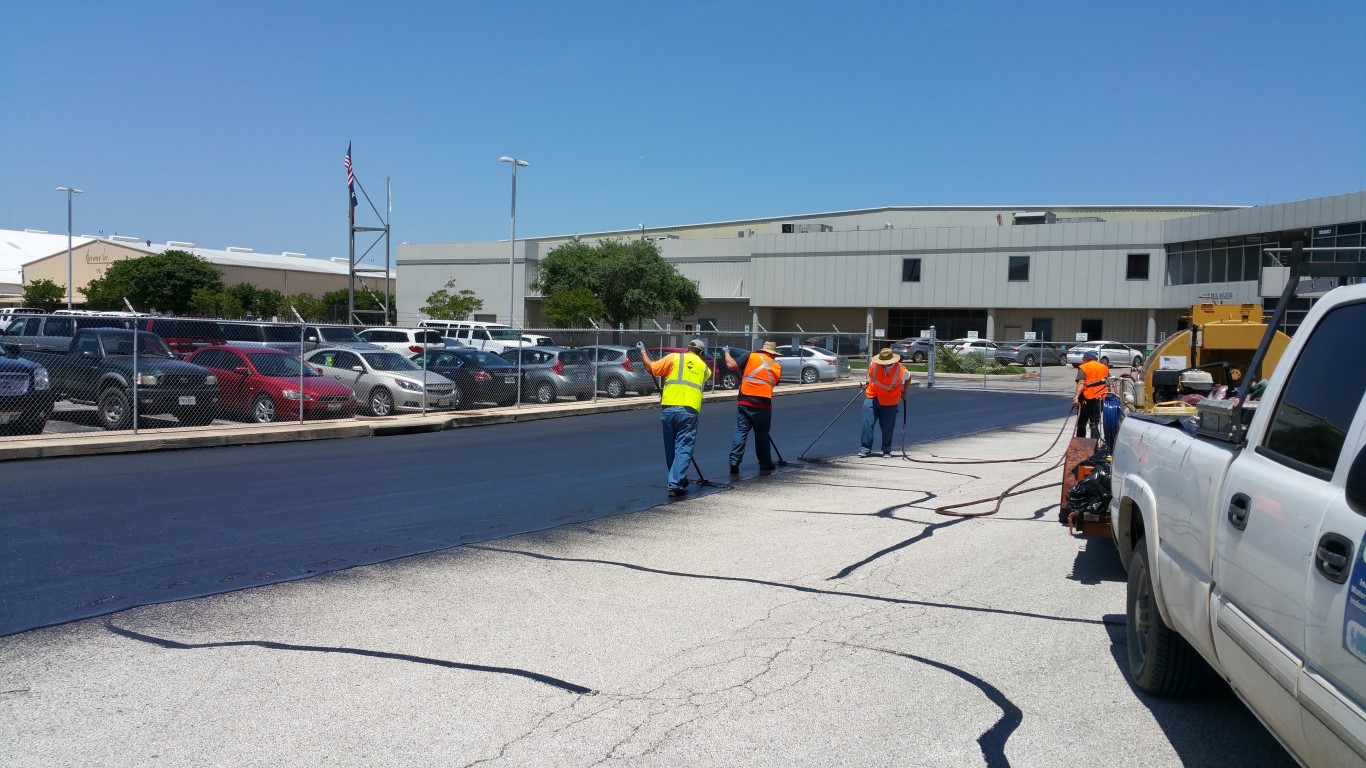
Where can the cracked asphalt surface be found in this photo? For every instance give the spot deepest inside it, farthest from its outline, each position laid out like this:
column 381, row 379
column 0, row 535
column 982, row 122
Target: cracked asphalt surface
column 820, row 616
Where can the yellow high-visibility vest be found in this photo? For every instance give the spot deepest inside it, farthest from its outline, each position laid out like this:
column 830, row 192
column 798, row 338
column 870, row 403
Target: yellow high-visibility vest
column 685, row 383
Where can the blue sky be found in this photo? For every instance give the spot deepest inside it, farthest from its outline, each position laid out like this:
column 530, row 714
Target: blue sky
column 225, row 124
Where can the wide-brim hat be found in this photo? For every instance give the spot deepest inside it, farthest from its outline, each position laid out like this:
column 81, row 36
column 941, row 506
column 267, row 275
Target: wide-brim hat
column 770, row 348
column 886, row 357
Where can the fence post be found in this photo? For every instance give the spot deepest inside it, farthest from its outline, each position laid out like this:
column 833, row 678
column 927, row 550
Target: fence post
column 930, row 359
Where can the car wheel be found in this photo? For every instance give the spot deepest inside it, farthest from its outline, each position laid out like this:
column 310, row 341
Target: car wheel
column 115, row 409
column 1029, row 361
column 380, row 402
column 1137, row 362
column 457, row 399
column 809, row 376
column 730, row 380
column 917, row 357
column 1161, row 662
column 1105, row 361
column 615, row 387
column 545, row 392
column 263, row 409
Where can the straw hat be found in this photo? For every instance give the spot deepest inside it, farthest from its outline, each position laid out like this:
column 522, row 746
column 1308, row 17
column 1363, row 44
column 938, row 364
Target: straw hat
column 886, row 357
column 770, row 348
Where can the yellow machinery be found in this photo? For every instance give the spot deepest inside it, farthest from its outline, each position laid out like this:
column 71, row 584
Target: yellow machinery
column 1213, row 353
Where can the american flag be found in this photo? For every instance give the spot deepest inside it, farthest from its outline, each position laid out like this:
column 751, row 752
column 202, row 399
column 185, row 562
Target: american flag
column 350, row 177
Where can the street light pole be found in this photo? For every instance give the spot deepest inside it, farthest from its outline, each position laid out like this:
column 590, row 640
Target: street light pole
column 69, row 192
column 512, row 255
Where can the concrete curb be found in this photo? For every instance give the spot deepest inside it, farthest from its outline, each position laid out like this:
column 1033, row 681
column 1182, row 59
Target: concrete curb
column 97, row 443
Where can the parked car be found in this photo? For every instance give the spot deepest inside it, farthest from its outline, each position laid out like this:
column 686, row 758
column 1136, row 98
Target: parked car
column 533, row 340
column 983, row 347
column 385, row 382
column 262, row 384
column 26, row 394
column 555, row 372
column 846, row 345
column 336, row 336
column 814, row 364
column 490, row 337
column 620, row 370
column 104, row 363
column 726, row 376
column 658, row 352
column 274, row 335
column 913, row 350
column 1111, row 353
column 405, row 341
column 480, row 377
column 183, row 335
column 1029, row 353
column 52, row 333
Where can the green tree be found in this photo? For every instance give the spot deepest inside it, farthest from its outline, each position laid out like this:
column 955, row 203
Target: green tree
column 632, row 280
column 164, row 281
column 207, row 303
column 572, row 308
column 44, row 294
column 448, row 305
column 268, row 302
column 367, row 302
column 307, row 305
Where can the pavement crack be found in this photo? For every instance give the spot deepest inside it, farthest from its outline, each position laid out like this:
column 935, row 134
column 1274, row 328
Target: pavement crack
column 175, row 645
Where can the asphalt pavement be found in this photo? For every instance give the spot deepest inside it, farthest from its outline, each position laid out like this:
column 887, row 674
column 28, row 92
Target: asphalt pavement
column 821, row 615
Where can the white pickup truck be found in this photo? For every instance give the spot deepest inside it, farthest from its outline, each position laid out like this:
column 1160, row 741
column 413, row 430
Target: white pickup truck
column 1249, row 552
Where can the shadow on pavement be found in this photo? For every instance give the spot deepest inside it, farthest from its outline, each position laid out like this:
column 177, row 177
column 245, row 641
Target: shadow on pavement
column 1098, row 561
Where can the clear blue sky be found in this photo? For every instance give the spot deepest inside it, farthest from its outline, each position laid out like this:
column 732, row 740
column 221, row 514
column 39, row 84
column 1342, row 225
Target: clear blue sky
column 225, row 123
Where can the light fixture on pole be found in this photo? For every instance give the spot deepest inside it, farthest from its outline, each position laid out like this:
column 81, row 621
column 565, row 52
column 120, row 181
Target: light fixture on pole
column 512, row 291
column 69, row 192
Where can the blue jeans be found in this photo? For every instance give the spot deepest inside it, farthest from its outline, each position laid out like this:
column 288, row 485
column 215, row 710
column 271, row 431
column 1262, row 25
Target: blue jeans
column 757, row 419
column 680, row 431
column 884, row 416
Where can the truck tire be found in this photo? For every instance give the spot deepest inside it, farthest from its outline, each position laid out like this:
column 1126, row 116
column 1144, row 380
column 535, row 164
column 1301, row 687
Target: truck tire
column 1161, row 662
column 115, row 409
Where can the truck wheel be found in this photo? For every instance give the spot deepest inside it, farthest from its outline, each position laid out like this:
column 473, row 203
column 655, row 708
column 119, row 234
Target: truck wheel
column 115, row 409
column 1161, row 662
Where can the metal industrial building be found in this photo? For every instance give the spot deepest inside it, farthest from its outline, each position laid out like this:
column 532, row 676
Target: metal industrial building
column 43, row 255
column 1114, row 272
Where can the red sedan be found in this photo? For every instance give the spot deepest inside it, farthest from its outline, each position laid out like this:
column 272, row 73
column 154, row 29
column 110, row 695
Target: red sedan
column 264, row 384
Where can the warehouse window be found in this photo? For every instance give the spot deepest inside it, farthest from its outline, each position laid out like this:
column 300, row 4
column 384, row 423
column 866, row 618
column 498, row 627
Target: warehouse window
column 910, row 270
column 1019, row 268
column 1138, row 267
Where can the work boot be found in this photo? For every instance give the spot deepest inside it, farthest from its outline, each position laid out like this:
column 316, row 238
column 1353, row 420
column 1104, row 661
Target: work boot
column 684, row 483
column 735, row 469
column 677, row 491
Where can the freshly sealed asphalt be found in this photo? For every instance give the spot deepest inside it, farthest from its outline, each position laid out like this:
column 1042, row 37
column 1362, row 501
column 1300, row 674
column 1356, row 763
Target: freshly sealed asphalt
column 823, row 615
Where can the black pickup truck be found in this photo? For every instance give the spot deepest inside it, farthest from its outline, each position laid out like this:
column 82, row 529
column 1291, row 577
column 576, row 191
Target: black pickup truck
column 26, row 394
column 98, row 369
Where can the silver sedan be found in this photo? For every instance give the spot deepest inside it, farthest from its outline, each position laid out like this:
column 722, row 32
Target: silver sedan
column 384, row 382
column 815, row 364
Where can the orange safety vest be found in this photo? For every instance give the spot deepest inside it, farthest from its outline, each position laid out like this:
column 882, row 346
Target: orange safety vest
column 1094, row 373
column 761, row 374
column 884, row 383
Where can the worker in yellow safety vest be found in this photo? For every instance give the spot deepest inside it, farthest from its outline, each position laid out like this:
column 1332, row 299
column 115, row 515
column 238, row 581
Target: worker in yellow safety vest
column 754, row 407
column 888, row 383
column 1091, row 389
column 685, row 376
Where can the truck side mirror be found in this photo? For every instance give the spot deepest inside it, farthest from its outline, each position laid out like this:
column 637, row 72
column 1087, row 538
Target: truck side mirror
column 1356, row 483
column 12, row 350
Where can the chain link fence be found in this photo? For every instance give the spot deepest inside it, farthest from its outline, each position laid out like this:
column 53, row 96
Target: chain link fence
column 72, row 372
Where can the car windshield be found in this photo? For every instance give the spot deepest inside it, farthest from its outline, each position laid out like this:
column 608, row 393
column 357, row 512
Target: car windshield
column 389, row 361
column 149, row 345
column 279, row 365
column 338, row 334
column 504, row 335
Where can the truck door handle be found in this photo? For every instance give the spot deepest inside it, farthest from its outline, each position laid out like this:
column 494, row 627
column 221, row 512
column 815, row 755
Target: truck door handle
column 1238, row 510
column 1333, row 555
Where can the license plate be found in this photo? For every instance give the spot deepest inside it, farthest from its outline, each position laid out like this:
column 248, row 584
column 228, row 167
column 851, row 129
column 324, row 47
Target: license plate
column 334, row 406
column 443, row 402
column 509, row 379
column 187, row 400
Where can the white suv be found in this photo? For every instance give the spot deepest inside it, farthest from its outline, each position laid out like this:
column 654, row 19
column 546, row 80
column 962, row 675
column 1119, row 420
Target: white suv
column 490, row 337
column 405, row 341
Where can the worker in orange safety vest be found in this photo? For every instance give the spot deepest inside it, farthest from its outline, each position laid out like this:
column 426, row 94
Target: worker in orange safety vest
column 1091, row 389
column 754, row 407
column 888, row 383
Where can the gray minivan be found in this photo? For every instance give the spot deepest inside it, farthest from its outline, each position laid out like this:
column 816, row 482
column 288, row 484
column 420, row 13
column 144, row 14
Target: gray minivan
column 274, row 335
